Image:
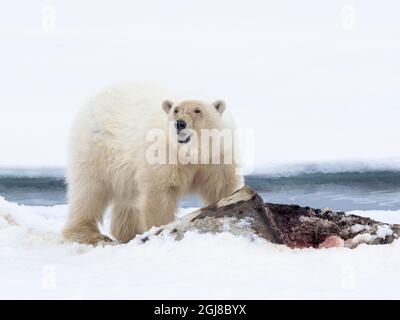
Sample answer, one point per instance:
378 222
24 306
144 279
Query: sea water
369 190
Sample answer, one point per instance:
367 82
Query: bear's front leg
126 222
158 207
219 182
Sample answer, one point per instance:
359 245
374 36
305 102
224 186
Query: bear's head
192 115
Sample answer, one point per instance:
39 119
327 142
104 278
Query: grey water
371 190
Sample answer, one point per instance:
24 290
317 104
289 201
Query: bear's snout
180 125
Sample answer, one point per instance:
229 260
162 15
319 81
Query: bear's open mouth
186 140
184 136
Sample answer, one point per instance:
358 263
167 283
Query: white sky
315 82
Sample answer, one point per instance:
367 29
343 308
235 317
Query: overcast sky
316 80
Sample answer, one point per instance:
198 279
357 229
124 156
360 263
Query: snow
383 232
37 263
359 227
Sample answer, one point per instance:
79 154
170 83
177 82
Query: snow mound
37 263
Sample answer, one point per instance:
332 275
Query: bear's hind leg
126 222
86 209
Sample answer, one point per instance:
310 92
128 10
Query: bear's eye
197 111
176 110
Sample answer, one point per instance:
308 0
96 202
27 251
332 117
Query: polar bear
109 165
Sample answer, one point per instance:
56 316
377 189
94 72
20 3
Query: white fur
107 166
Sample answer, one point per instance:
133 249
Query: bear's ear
167 105
220 106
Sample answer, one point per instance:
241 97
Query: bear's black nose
180 125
